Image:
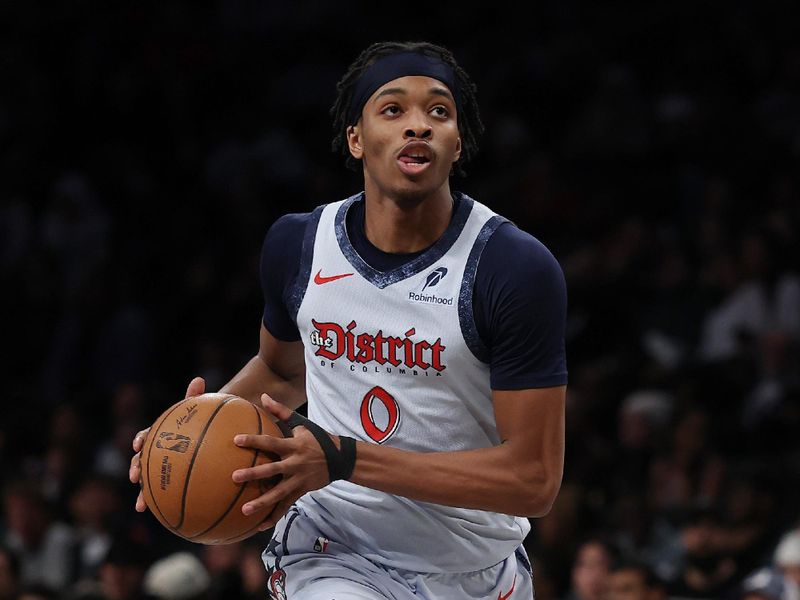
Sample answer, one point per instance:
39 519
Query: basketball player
426 334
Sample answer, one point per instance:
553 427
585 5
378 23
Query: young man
634 581
427 335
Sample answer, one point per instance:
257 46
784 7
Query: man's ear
458 150
354 142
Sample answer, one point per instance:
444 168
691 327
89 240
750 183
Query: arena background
145 148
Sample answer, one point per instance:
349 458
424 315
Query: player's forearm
488 479
256 378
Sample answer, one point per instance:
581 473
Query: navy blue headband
394 66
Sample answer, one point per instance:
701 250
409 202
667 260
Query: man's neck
403 226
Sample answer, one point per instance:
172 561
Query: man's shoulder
284 240
290 223
529 253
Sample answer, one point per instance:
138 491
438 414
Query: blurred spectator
128 407
94 507
45 547
179 576
644 535
634 581
88 589
75 227
253 573
708 569
765 302
745 514
37 592
689 473
787 560
590 571
9 574
223 563
122 572
643 418
764 584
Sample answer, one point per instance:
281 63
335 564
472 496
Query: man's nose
418 127
422 132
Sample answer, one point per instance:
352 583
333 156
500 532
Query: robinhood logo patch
434 277
425 295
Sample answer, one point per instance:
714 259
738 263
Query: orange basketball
187 461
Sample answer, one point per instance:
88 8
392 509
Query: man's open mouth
414 157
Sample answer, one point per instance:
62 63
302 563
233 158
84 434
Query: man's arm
521 476
278 369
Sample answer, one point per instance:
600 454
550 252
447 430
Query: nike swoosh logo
319 279
511 591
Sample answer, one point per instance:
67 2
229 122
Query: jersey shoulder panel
520 312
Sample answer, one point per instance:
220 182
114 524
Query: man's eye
440 111
391 110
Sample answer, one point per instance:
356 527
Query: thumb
196 387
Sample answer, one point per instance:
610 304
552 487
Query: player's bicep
530 423
285 359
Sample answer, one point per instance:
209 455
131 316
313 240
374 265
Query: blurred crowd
146 149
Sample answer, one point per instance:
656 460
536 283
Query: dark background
146 148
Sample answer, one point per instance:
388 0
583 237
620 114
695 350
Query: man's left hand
302 465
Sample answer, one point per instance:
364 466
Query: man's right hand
196 387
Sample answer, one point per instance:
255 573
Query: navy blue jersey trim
521 557
465 313
380 279
300 285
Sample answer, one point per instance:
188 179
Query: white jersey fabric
394 358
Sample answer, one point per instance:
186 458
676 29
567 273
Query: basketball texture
187 461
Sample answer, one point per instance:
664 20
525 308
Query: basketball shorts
303 565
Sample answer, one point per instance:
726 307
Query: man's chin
415 191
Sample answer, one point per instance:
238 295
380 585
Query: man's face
627 584
407 137
590 572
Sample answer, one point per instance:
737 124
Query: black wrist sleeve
341 461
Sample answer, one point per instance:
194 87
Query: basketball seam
155 429
241 487
194 456
244 534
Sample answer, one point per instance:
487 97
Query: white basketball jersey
394 358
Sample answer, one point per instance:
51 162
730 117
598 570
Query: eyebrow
437 91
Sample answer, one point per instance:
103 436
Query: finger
281 411
264 471
196 387
279 446
281 508
138 440
286 488
140 504
135 470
